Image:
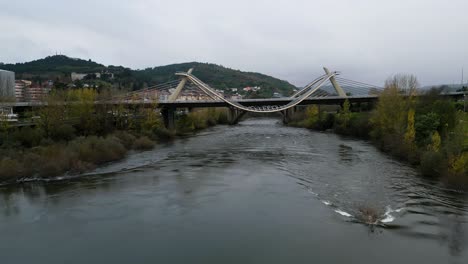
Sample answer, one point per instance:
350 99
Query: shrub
99 150
357 125
125 138
63 132
55 160
79 166
29 137
433 164
425 126
223 117
143 143
327 121
10 169
31 163
459 165
163 133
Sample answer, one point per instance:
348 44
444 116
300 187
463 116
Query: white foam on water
388 217
326 202
343 213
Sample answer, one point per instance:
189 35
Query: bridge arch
295 99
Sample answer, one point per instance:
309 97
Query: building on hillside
98 75
36 94
7 84
236 97
20 89
254 88
78 76
277 95
26 91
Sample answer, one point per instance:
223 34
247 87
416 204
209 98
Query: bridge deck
330 100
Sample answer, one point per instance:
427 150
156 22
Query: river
257 192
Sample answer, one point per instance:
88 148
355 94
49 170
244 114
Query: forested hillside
59 67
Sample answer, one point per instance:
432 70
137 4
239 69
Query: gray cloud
366 40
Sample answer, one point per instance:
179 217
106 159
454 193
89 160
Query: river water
258 192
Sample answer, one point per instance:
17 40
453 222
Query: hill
218 77
59 67
54 64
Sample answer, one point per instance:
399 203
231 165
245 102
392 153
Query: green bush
31 163
163 133
55 160
425 125
10 169
79 166
223 117
326 122
125 138
97 150
433 164
356 124
63 132
359 125
143 143
28 137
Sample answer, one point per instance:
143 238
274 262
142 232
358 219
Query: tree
311 116
410 130
404 83
345 113
435 142
425 126
391 113
81 107
52 114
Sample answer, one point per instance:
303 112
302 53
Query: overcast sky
367 40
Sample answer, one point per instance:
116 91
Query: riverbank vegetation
429 132
201 119
72 134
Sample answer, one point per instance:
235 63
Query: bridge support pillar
288 114
234 115
168 114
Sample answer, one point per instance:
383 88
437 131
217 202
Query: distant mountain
59 67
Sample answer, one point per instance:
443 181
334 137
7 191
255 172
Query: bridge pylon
179 87
335 84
